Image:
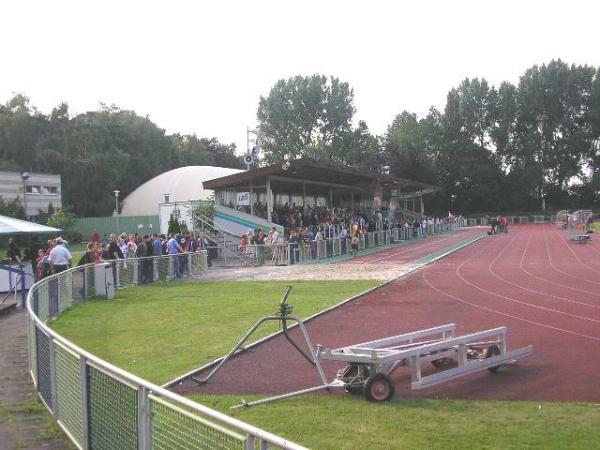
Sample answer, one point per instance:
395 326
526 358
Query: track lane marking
531 305
491 270
485 308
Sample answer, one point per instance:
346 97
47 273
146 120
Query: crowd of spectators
318 223
53 256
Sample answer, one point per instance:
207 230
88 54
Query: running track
544 288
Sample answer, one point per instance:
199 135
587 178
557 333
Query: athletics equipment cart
369 366
578 222
562 218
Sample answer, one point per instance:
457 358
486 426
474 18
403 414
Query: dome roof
182 184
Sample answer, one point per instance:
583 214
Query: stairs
225 244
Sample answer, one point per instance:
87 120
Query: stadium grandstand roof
320 171
182 184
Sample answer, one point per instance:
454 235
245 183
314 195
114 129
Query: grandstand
256 198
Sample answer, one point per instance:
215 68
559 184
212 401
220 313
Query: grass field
345 422
161 331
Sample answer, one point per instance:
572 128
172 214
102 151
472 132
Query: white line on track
514 300
584 265
521 266
371 261
491 270
562 271
485 308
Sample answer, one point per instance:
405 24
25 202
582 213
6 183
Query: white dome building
182 184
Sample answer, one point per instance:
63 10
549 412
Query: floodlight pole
117 208
25 177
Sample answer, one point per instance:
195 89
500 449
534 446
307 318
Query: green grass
349 422
161 331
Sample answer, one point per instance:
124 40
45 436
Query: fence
304 252
107 225
532 218
100 406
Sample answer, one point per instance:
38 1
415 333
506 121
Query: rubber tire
379 380
493 350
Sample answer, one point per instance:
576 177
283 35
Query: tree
406 149
13 208
174 225
303 114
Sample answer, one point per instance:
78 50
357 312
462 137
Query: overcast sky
201 67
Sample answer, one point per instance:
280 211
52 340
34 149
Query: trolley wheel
379 388
493 350
439 363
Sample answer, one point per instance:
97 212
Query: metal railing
287 253
100 406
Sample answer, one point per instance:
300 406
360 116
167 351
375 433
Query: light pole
25 177
117 209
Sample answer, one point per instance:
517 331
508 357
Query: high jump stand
282 316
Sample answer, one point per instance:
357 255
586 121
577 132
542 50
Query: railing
287 253
100 406
513 219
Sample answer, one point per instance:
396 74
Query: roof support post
330 197
422 204
303 194
269 199
251 199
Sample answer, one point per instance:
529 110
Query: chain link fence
100 406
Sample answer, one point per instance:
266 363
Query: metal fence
513 219
100 406
288 253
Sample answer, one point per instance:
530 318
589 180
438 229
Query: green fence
108 225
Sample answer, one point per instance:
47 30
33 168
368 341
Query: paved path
24 421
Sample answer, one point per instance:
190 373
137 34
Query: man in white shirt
274 236
60 257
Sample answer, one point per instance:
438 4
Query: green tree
13 208
174 225
406 148
301 114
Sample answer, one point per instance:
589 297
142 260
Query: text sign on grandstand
243 198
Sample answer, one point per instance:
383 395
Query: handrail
142 385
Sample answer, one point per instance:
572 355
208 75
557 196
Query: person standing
13 253
174 250
34 249
60 257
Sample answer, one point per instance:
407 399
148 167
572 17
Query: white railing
100 406
287 253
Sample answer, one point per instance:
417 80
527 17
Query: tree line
524 147
98 152
520 147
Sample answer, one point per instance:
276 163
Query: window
33 189
51 190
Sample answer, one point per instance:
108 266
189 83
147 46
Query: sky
201 67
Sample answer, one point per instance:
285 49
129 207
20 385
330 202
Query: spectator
13 253
174 250
114 251
60 257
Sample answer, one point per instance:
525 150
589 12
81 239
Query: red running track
533 280
410 252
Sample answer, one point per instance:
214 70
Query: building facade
36 191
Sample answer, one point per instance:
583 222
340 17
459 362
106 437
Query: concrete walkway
24 422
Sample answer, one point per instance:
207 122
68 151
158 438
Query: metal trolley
370 365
